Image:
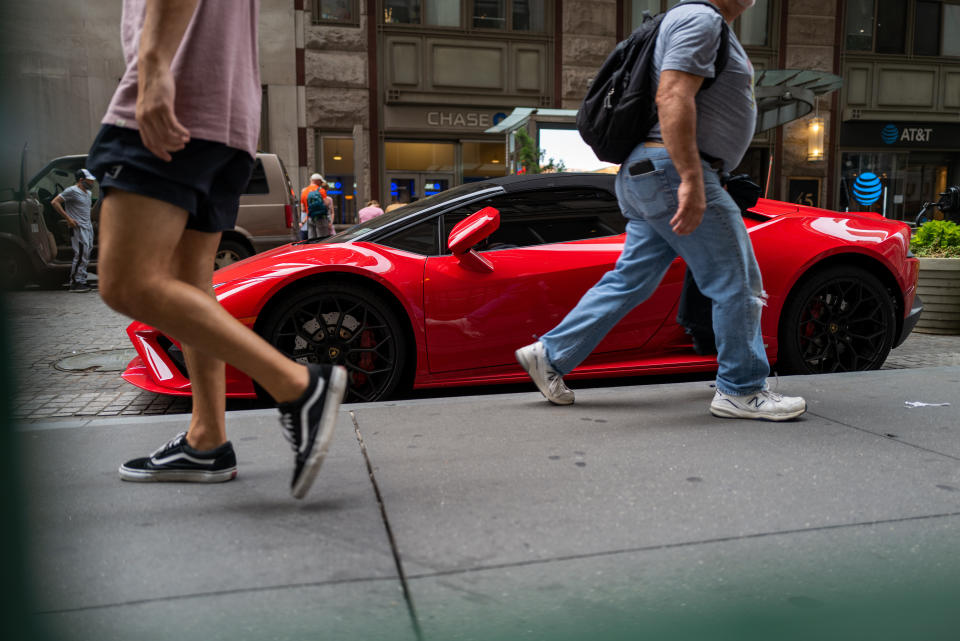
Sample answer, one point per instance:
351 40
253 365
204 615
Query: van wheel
229 252
14 268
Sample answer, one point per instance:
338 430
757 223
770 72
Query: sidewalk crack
407 596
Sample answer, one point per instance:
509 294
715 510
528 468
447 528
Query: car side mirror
470 231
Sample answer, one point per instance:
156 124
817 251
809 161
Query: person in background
73 203
372 210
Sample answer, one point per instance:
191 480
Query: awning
783 95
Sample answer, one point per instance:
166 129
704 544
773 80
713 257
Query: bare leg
139 237
193 264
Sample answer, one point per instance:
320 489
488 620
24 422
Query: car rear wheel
230 251
842 319
342 324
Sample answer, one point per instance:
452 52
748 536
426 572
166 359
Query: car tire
840 319
230 251
341 324
15 271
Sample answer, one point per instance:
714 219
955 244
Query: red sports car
406 300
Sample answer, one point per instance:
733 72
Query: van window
258 180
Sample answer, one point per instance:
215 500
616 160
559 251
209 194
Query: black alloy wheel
841 319
342 325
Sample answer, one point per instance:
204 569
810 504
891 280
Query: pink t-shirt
367 213
216 70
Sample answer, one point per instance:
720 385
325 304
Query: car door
551 247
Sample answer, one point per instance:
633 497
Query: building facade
391 99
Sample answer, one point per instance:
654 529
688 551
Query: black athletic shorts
206 178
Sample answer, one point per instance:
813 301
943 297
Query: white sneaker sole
336 387
732 412
174 476
529 364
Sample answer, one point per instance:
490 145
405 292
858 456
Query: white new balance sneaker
764 405
533 358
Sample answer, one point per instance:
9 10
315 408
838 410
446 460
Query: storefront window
859 25
637 7
894 184
926 37
442 13
401 11
489 14
752 28
419 156
891 19
336 165
482 160
335 11
753 25
871 182
528 15
951 30
882 26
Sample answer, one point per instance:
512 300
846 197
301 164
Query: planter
939 287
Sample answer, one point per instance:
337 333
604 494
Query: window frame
316 19
773 9
466 20
909 34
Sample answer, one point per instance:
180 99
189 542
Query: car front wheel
342 324
841 319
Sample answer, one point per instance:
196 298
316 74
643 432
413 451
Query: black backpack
620 107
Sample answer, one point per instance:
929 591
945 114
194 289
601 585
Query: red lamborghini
412 299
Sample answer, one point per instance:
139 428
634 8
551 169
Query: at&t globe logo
867 188
890 134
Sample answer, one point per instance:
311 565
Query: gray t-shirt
727 111
77 203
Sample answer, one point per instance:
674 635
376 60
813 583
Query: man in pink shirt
174 154
372 210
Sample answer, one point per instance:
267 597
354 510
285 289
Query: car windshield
403 212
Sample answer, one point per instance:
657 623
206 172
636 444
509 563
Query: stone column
589 35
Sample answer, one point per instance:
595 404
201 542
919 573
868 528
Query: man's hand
160 130
164 24
692 204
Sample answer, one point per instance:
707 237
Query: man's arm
163 28
677 108
57 204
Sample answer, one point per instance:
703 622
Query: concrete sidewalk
631 513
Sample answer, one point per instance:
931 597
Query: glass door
408 187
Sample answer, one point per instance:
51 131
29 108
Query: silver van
35 240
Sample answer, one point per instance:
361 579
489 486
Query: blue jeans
81 239
718 253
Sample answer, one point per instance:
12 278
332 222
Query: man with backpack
669 190
316 185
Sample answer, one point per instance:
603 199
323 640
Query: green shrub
937 239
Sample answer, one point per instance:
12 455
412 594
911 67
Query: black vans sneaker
309 421
177 461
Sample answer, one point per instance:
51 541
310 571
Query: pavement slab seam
683 544
217 593
885 436
394 548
